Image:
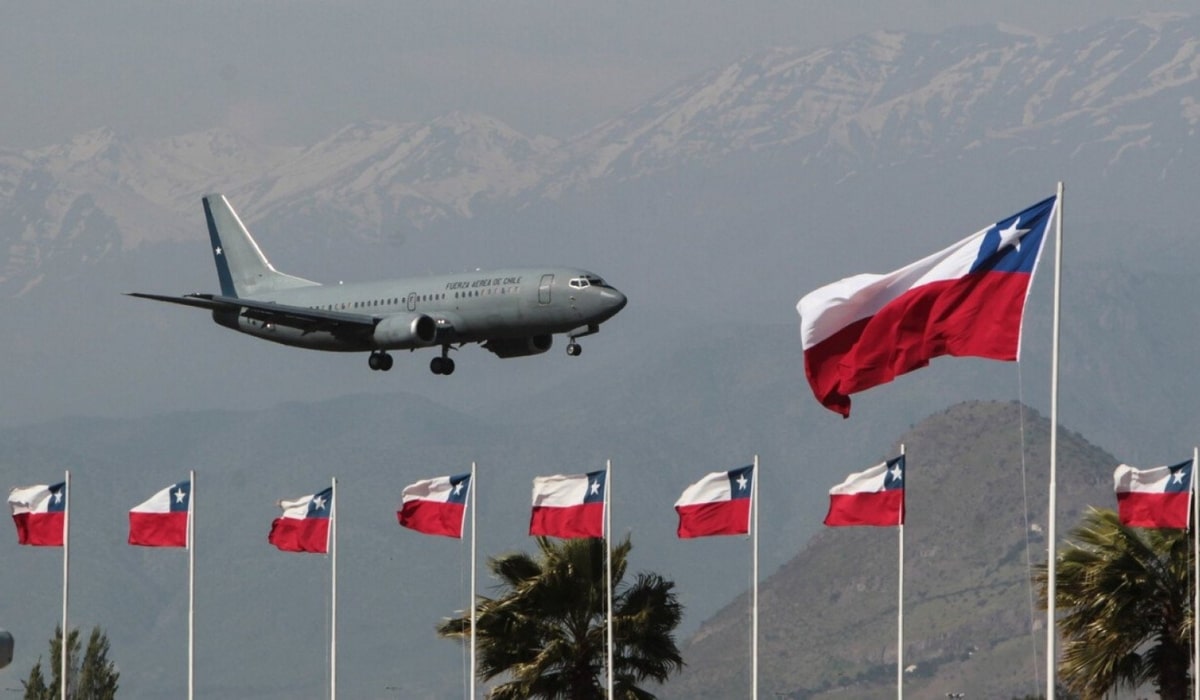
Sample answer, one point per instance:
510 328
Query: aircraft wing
301 317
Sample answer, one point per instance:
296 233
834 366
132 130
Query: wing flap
300 317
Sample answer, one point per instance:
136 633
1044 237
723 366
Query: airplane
511 312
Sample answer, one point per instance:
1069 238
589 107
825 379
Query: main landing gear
443 364
379 360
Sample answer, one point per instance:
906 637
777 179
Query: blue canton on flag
180 493
895 474
741 482
460 486
595 490
321 504
1013 244
1180 480
58 498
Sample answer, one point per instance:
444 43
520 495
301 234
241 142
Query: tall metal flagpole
1051 530
333 590
191 544
754 572
1195 581
608 569
471 683
64 650
900 600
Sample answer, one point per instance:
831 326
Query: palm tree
546 631
1126 615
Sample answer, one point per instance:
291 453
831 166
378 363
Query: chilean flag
718 504
40 513
966 301
568 505
871 497
304 525
436 506
162 521
1158 497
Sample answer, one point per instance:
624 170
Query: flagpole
66 635
754 573
900 599
1195 582
471 682
1051 530
333 591
191 543
608 568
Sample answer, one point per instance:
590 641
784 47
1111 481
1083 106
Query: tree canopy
545 632
1126 617
89 677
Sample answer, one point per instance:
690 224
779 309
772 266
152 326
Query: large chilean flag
966 301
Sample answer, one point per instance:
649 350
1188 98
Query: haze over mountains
713 207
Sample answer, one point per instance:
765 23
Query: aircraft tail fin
242 268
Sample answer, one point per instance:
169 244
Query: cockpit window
596 281
580 282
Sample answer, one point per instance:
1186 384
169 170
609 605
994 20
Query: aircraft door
412 302
544 289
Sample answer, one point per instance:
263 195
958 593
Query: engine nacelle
404 331
6 648
520 347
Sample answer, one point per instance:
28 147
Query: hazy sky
292 70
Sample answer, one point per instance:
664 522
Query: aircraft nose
614 301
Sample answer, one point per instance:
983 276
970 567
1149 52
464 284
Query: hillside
828 616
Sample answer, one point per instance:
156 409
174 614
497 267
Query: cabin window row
419 298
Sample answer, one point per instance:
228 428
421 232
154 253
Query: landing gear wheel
573 349
379 361
441 365
447 366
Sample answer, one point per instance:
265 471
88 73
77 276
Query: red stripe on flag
978 315
730 517
584 520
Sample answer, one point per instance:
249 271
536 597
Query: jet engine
6 648
405 331
520 347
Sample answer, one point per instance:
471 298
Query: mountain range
713 207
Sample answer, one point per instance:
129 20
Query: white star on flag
741 482
217 250
457 488
319 503
897 472
595 487
1011 236
180 494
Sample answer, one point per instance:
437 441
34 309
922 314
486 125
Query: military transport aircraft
511 312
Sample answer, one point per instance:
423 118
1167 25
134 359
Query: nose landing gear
574 348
